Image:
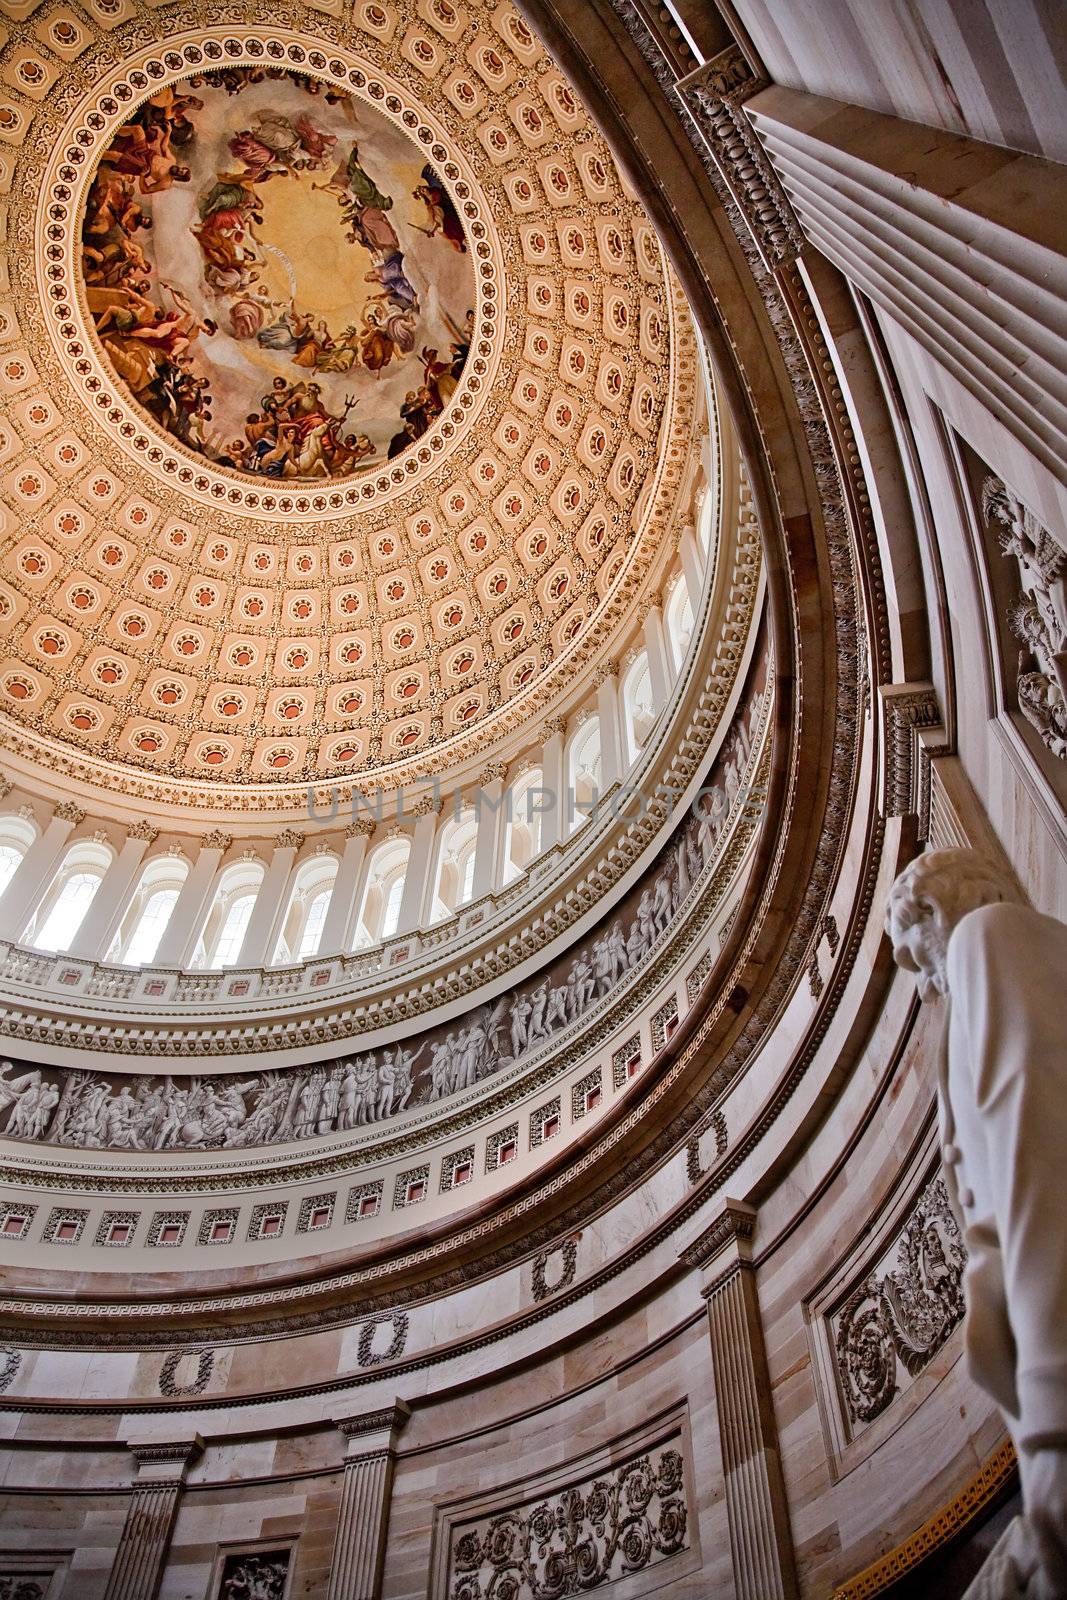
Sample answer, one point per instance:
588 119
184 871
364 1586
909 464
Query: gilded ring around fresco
220 221
277 274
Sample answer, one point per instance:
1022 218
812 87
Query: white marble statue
1002 967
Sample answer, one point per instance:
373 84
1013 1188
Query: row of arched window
62 909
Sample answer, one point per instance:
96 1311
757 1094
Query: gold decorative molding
944 1525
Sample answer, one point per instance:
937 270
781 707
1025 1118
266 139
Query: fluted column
756 1507
421 859
264 925
660 671
35 871
145 1538
554 784
179 936
341 911
94 936
491 812
614 757
363 1515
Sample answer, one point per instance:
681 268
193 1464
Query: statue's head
929 898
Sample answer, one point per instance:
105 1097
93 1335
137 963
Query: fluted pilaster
146 1533
760 1541
363 1516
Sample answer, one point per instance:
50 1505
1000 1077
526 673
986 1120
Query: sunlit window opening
146 917
523 831
456 851
227 922
583 773
383 893
69 896
305 916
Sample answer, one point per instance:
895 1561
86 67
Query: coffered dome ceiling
350 410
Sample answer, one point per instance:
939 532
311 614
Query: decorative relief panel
24 1585
897 1318
1025 570
254 1575
664 1023
626 1061
625 1519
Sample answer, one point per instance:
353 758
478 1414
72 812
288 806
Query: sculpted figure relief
1038 616
1003 1114
84 1109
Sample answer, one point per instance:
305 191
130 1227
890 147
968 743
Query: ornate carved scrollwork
590 1533
898 1318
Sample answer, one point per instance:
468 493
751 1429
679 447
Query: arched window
678 622
383 892
145 918
583 773
454 879
306 915
16 836
234 927
69 896
522 837
638 707
705 510
227 922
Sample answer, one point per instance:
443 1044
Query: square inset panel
316 1211
117 1229
167 1229
64 1227
363 1201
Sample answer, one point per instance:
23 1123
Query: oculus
276 274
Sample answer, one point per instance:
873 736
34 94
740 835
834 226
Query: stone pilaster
760 1541
363 1516
145 1539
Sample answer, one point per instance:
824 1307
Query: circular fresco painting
276 274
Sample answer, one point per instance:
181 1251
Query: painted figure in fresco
441 214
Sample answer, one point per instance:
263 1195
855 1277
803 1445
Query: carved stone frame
845 1450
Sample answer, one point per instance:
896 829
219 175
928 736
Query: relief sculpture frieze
92 1110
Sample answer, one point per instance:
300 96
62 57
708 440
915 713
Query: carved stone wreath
541 1288
367 1355
10 1362
205 1364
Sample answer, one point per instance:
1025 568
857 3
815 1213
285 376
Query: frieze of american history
95 1110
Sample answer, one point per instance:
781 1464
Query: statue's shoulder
1009 936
